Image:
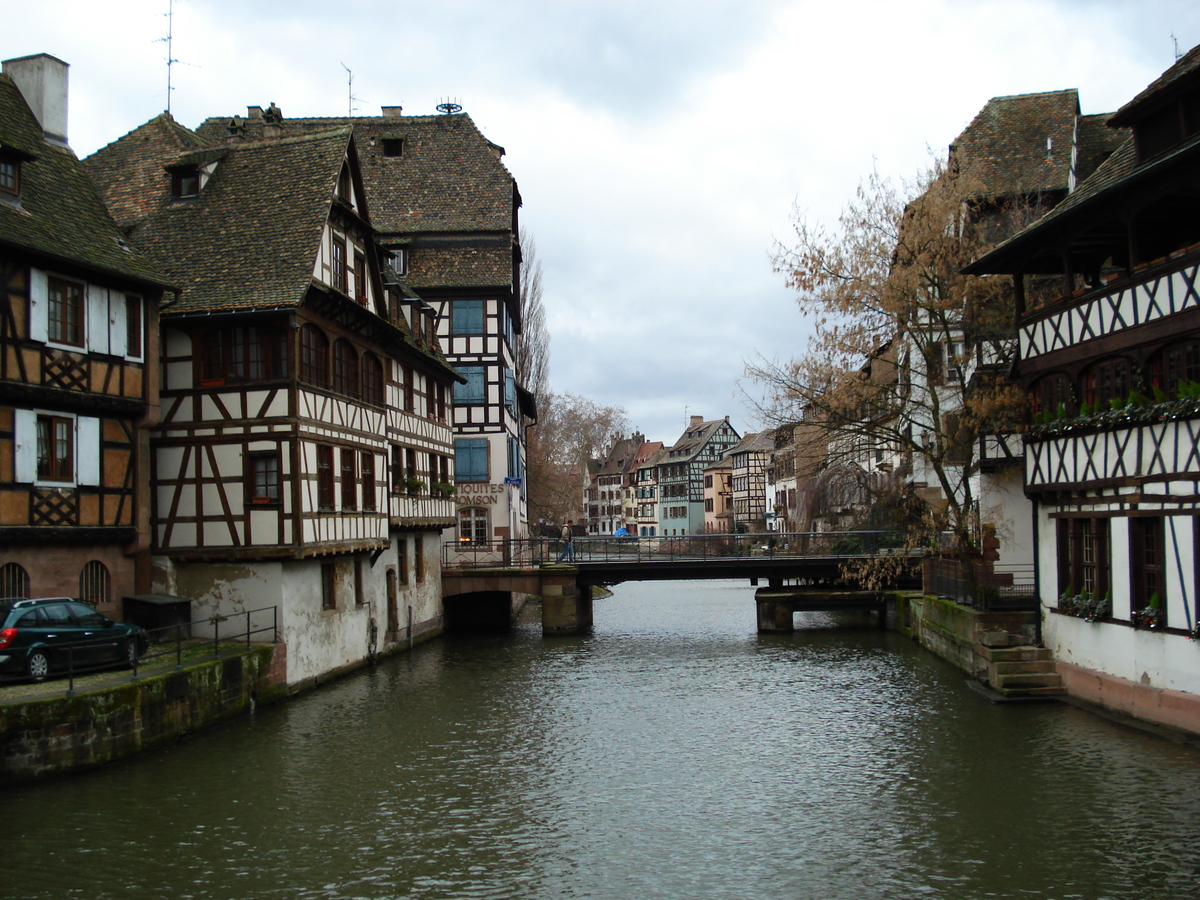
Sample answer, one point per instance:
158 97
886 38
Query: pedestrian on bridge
568 539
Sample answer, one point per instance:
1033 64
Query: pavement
17 689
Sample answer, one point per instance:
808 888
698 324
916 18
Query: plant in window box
1097 608
443 489
1151 616
414 485
1070 603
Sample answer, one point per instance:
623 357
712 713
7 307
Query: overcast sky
660 147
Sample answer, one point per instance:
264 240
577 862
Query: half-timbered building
78 383
304 460
718 498
445 207
1106 286
645 480
681 474
749 460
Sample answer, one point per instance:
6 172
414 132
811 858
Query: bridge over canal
480 582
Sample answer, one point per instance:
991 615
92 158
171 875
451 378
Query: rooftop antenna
350 98
1176 41
171 60
449 107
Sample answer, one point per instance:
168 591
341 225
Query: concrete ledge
1175 710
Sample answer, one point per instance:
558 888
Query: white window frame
104 324
86 451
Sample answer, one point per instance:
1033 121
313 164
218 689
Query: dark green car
56 633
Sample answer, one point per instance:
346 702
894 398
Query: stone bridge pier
475 599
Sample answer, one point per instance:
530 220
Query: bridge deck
811 558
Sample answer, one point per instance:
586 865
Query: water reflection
674 752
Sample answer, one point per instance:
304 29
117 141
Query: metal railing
174 641
1005 587
527 553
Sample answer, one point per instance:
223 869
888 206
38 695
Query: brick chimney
696 420
392 112
42 80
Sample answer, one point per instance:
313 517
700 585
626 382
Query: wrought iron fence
534 552
1000 587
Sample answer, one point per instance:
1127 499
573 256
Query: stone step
1013 654
1022 666
1031 692
1028 680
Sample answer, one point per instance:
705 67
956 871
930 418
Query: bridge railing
534 552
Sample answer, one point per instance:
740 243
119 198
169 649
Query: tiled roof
762 442
459 267
129 172
449 177
60 214
248 241
693 439
1006 145
1185 67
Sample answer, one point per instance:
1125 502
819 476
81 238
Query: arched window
1107 380
473 526
94 583
372 379
1175 364
14 580
345 368
314 355
1051 392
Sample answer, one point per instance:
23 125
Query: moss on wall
56 735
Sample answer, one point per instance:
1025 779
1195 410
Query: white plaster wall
1004 504
1149 658
320 641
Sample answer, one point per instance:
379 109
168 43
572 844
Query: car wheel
37 665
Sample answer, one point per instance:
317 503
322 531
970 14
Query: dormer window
185 182
10 175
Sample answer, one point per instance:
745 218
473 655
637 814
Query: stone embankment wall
60 734
956 633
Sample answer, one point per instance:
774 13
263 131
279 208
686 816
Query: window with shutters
65 310
55 448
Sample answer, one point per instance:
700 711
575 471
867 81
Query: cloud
659 146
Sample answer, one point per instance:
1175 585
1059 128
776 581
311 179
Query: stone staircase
1018 671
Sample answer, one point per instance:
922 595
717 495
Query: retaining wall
56 735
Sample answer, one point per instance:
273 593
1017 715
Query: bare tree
571 430
891 371
532 350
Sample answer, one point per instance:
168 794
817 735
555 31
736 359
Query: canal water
672 753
